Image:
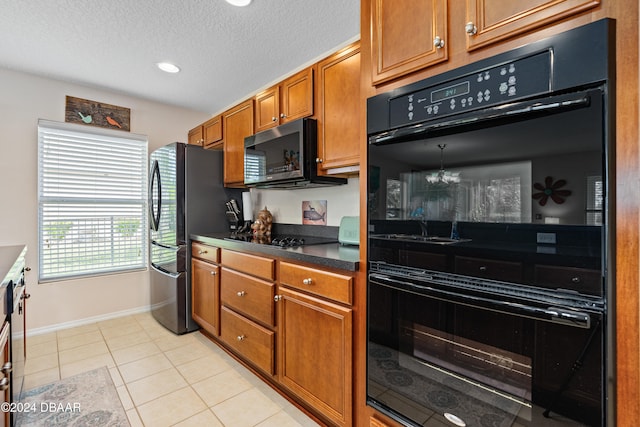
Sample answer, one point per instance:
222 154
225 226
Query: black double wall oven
489 239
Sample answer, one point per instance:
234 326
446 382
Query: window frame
92 200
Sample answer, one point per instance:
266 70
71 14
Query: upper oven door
515 192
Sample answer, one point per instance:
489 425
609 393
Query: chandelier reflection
443 176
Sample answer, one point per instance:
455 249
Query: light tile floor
162 379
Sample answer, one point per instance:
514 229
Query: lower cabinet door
205 295
315 353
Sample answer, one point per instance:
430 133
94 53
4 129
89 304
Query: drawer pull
307 281
240 338
4 384
575 280
202 251
483 268
7 368
241 293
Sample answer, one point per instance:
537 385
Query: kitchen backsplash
286 205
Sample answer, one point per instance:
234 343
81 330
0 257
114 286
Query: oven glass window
434 359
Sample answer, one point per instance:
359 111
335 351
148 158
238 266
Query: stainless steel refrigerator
186 195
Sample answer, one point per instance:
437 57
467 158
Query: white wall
23 100
286 205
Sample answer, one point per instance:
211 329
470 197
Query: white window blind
92 198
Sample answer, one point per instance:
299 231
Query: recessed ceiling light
168 67
239 2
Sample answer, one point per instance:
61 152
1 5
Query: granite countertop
333 255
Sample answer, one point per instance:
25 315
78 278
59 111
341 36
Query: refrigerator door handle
175 248
165 271
155 180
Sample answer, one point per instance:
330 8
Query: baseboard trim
86 321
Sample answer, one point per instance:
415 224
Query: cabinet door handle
240 337
318 160
438 42
471 29
277 298
4 384
307 281
273 119
241 294
202 252
213 273
283 116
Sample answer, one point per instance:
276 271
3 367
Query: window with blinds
92 200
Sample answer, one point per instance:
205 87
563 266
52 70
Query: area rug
438 393
87 399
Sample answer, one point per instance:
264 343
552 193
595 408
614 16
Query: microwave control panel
484 88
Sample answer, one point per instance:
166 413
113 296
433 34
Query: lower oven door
436 356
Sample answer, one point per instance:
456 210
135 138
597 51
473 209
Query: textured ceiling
225 53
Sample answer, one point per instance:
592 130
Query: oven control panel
495 85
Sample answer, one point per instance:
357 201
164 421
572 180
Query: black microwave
285 157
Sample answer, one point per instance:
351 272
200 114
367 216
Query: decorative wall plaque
96 113
314 212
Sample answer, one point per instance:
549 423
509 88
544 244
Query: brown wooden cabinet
339 109
315 353
290 335
205 287
290 100
237 123
247 319
207 134
407 35
212 132
196 136
490 21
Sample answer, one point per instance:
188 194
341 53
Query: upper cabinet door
297 96
339 108
290 100
267 108
195 136
212 130
489 21
237 125
408 35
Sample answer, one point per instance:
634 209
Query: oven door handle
514 109
559 315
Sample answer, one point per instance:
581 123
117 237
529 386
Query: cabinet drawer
578 279
489 269
248 295
251 264
205 252
323 283
250 340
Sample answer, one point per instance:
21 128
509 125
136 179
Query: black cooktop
283 241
